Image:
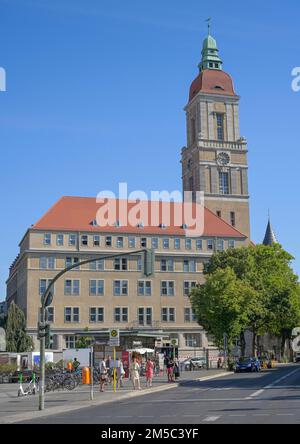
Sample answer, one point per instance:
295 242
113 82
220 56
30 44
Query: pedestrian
120 372
170 366
176 371
103 374
75 364
149 372
109 367
135 374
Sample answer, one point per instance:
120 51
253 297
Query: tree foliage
17 340
260 284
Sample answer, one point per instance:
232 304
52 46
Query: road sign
114 337
174 342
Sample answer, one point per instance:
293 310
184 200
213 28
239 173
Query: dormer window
94 223
219 87
162 226
140 225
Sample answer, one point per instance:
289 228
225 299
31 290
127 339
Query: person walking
75 364
109 367
120 372
103 374
176 372
135 374
149 372
170 366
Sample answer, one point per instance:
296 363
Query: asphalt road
268 397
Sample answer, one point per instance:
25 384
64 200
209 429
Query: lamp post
47 298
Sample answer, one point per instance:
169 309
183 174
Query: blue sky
95 96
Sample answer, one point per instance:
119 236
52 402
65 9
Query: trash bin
86 376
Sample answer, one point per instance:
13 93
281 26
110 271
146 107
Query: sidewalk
14 409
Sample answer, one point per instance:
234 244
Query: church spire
210 53
270 237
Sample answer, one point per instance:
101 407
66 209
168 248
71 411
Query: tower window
224 183
232 218
193 130
211 65
220 126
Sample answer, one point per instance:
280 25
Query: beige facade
178 265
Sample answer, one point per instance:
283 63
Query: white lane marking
259 392
285 414
237 416
191 416
261 414
211 418
123 416
220 375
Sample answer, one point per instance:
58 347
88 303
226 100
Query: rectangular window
96 314
121 314
220 245
72 261
47 239
167 288
220 126
232 218
143 242
121 288
131 242
47 263
154 243
97 265
188 244
167 265
166 243
84 240
224 182
120 242
96 240
43 286
71 314
231 243
210 244
139 263
193 130
144 315
120 264
50 314
72 287
70 341
72 240
199 244
108 241
189 266
144 288
168 314
96 287
59 240
188 286
219 214
177 244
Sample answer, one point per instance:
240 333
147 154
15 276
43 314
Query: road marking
269 386
237 416
191 416
123 416
285 414
211 418
261 414
145 416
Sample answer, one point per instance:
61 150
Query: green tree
84 341
17 340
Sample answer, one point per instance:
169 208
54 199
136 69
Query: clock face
223 159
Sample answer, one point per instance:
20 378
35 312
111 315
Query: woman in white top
135 374
103 374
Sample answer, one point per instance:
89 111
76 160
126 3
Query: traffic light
149 262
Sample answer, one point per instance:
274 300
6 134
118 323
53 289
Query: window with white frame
210 244
188 286
224 182
144 315
154 243
59 240
84 240
108 241
70 261
120 242
96 314
131 242
167 264
120 288
96 287
47 263
96 240
231 243
167 288
192 340
177 244
139 263
120 264
50 314
144 288
166 243
143 242
189 315
121 314
72 240
43 284
97 265
72 314
70 341
199 244
189 266
220 244
188 243
168 314
72 287
47 239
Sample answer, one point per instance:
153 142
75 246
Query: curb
63 409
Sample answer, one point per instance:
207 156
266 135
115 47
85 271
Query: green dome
210 55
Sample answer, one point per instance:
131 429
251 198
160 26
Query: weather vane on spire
208 24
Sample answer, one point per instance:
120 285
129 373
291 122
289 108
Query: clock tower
215 158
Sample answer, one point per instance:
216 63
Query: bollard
86 376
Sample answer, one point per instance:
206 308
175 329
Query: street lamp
47 298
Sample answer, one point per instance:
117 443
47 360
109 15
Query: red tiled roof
212 81
78 213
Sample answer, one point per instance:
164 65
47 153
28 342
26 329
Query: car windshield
244 360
